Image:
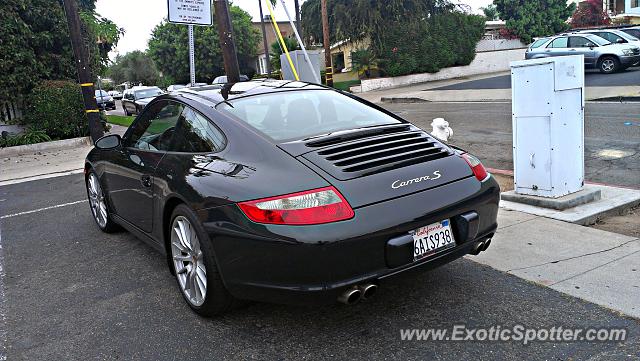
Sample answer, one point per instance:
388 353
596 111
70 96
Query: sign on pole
190 12
194 12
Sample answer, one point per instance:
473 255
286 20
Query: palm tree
362 60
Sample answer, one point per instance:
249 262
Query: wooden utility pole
325 43
227 42
84 71
296 6
264 40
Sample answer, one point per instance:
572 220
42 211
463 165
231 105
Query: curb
45 146
407 100
620 99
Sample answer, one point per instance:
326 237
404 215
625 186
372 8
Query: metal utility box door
548 125
305 72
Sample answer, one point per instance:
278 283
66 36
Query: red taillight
316 206
476 167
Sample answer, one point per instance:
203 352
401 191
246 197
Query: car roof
218 93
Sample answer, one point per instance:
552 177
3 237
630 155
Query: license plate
432 239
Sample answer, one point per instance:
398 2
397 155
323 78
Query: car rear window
148 93
293 115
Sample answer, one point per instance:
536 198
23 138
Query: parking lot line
41 176
42 209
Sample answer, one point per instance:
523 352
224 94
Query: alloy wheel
96 200
608 65
188 261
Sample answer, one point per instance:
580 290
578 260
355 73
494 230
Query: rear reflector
476 166
323 205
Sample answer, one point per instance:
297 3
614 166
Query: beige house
285 30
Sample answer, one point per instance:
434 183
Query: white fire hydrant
441 129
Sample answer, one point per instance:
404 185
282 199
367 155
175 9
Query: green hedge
447 39
56 108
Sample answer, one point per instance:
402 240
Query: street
612 149
72 292
592 78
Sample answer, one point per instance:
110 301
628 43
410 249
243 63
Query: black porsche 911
288 192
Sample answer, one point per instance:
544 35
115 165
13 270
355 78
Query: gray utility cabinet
304 71
548 125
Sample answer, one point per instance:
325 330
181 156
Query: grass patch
120 120
345 85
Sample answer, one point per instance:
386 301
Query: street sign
192 12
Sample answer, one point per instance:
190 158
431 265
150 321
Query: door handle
146 180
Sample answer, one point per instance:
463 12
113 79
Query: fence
495 44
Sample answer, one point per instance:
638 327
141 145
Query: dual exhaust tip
481 247
354 294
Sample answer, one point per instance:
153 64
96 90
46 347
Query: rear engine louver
373 154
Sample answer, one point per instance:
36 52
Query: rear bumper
315 264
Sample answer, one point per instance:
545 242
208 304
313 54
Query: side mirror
108 142
620 41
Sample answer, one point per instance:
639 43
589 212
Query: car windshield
627 36
101 93
301 114
538 43
148 93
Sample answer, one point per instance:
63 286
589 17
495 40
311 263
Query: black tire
110 226
217 299
608 64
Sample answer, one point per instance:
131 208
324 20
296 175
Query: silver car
614 36
598 52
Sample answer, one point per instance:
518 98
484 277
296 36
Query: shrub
28 137
428 45
57 109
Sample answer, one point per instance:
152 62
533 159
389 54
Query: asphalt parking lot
72 292
612 131
593 78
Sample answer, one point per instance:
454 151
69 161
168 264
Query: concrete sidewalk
594 265
38 164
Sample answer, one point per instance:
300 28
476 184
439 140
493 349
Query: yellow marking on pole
86 84
284 46
92 110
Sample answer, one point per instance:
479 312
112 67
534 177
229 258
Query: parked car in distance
104 100
115 94
136 98
196 85
223 79
633 31
288 192
598 53
174 87
614 36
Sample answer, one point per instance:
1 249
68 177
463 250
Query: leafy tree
276 51
35 45
490 12
169 48
134 67
407 36
528 19
590 13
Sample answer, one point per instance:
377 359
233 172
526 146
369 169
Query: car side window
580 42
558 43
196 134
155 128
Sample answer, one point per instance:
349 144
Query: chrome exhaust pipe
477 248
368 290
486 244
350 296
